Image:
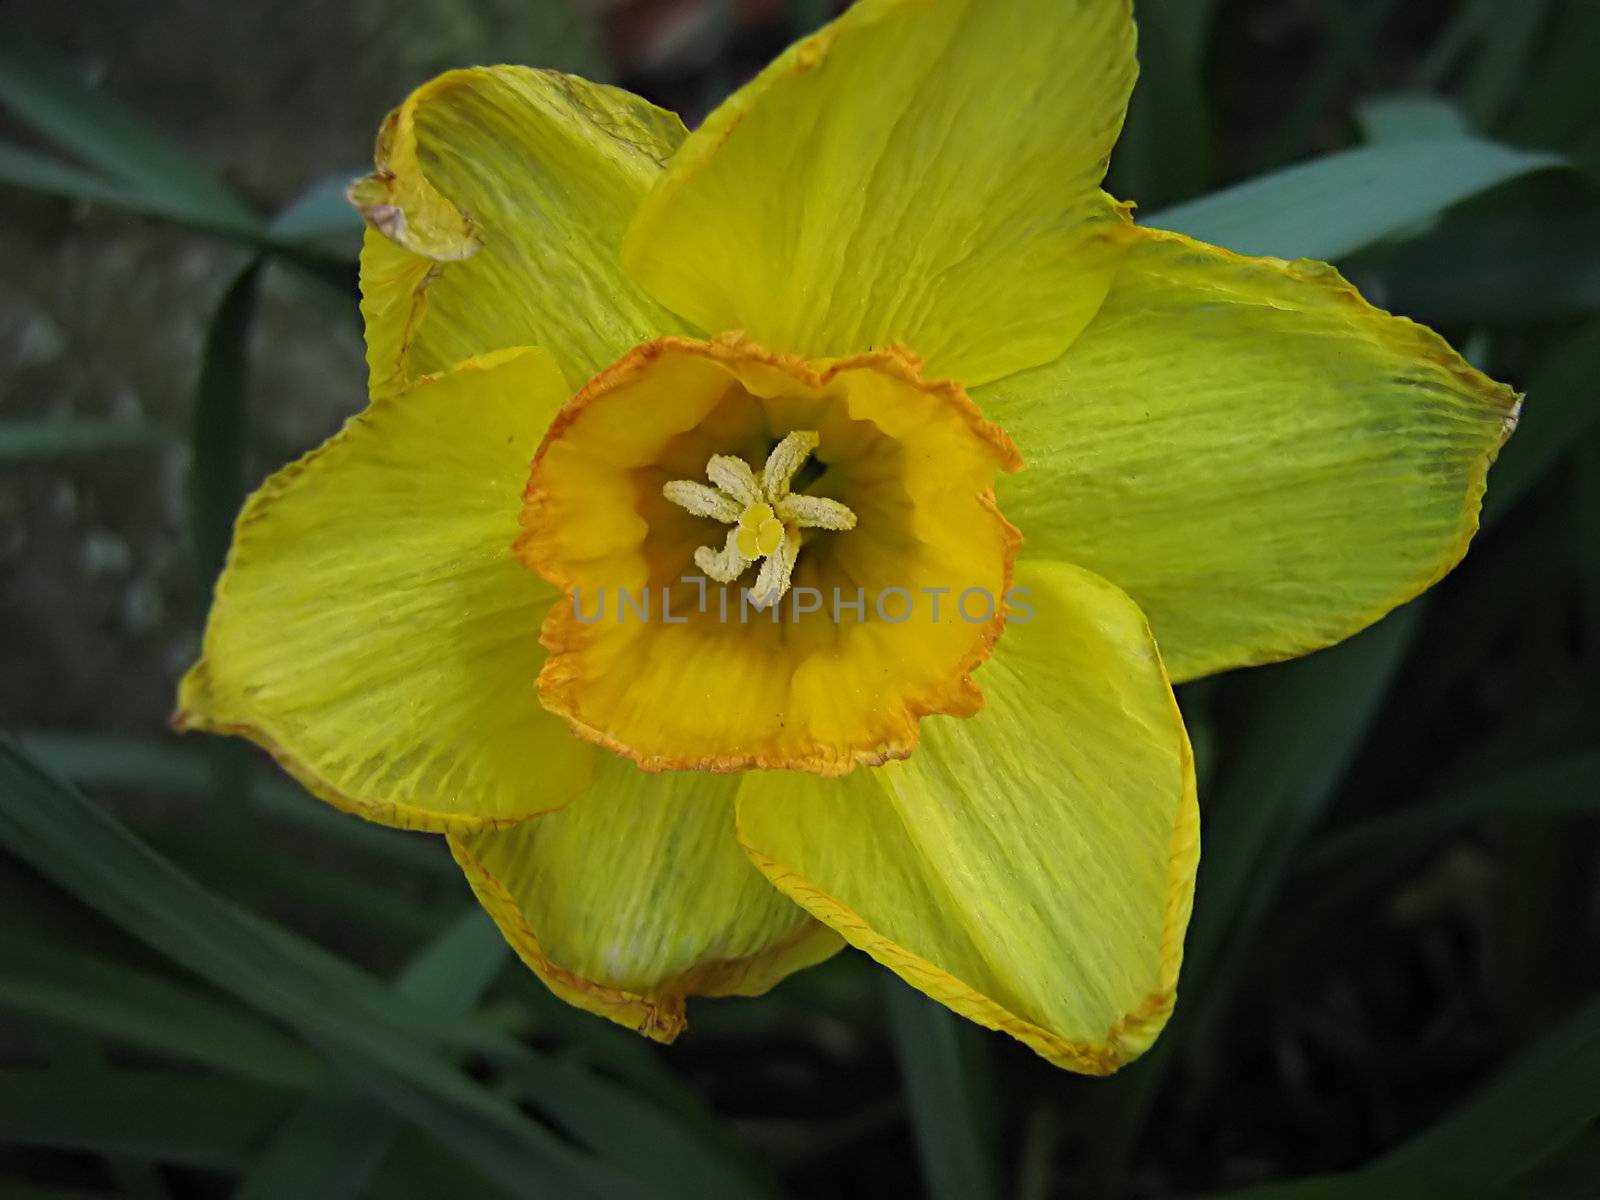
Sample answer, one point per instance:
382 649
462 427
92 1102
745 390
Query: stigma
767 518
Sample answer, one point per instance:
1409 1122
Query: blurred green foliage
1392 986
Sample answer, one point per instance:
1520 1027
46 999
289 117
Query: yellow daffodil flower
782 534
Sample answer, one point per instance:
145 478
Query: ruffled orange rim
564 636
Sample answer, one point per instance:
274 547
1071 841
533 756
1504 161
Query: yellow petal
636 896
921 173
496 216
373 629
1265 462
1033 866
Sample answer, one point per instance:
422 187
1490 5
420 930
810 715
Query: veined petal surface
496 219
636 896
1033 866
1261 459
373 628
923 172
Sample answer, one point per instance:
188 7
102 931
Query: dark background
1393 978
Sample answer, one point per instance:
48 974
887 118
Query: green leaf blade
44 92
1331 207
944 1093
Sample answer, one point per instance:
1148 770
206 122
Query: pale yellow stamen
733 476
723 565
767 517
786 458
816 512
703 501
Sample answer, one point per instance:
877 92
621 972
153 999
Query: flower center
654 649
767 518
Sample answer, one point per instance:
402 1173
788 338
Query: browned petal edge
660 1014
563 635
394 375
436 228
382 198
1128 1037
